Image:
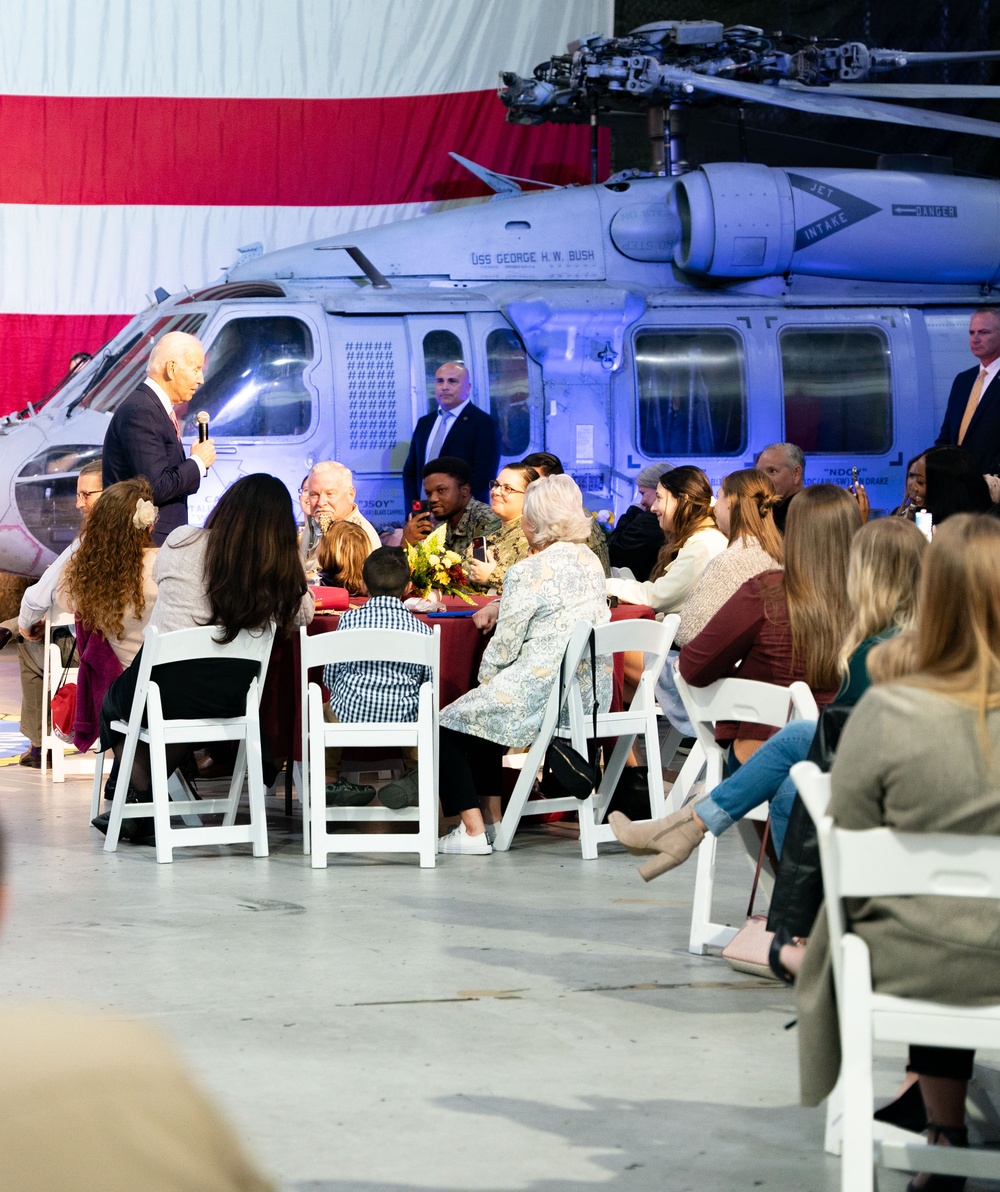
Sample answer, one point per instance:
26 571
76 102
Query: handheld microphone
202 419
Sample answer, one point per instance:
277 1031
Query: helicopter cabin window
691 392
121 371
507 365
838 389
439 348
255 379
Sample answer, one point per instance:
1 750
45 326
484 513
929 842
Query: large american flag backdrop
142 142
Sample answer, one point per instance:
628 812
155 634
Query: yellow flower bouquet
431 566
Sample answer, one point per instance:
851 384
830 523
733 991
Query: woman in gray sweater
921 754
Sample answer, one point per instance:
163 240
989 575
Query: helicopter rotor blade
912 58
898 90
811 100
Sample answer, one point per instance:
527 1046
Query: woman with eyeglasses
508 545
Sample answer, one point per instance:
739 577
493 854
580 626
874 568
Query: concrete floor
521 1021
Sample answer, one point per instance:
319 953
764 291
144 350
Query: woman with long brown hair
684 506
341 556
242 571
743 514
108 583
922 754
779 627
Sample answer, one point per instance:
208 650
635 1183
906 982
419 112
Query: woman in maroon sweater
777 628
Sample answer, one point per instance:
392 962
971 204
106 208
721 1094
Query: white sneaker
459 841
491 831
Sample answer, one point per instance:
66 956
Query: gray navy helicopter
690 315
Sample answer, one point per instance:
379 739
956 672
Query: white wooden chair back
160 649
733 700
518 807
367 645
884 863
653 639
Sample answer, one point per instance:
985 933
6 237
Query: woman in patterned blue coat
544 597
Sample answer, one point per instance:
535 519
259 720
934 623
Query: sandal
957 1136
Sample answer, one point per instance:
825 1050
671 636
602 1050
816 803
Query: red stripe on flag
272 152
37 348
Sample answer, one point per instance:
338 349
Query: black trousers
471 768
952 1062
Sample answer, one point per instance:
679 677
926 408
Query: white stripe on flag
283 49
56 261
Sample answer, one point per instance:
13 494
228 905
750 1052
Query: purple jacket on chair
99 667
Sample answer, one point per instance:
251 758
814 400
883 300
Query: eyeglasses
507 491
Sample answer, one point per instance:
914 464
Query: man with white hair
327 497
785 464
144 437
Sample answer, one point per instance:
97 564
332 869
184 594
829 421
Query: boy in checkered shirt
379 691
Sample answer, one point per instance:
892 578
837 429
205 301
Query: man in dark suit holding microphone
972 419
457 428
144 438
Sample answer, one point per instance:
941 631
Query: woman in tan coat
922 754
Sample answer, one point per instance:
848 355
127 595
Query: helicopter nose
39 480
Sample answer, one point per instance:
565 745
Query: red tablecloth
462 647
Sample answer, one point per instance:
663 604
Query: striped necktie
970 407
176 424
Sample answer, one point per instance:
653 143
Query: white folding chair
186 645
366 645
653 639
52 676
518 806
740 700
882 863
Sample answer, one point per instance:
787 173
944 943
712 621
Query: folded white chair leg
833 1136
427 801
691 771
179 792
857 1171
236 785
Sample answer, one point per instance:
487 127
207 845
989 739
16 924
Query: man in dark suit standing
144 438
972 419
457 429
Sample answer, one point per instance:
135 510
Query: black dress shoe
5 636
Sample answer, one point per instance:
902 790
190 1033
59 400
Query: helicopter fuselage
692 319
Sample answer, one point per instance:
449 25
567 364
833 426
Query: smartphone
854 477
479 548
419 507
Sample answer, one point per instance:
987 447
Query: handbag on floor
566 771
62 706
748 950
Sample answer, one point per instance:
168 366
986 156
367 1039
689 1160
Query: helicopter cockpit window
439 348
119 372
692 393
838 389
507 364
255 379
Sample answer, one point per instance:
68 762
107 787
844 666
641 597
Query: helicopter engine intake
740 220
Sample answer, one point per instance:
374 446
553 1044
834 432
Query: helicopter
689 315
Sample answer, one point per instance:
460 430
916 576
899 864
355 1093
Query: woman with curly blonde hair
108 583
341 556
